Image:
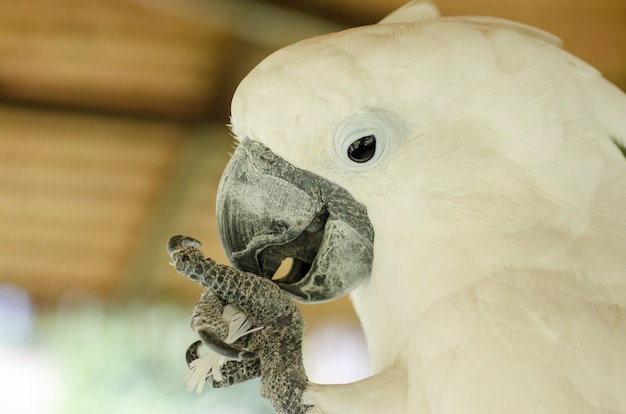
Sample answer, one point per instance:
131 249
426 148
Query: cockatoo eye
364 139
363 149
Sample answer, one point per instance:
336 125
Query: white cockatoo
464 180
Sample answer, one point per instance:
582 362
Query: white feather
499 209
210 363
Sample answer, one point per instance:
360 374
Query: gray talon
192 353
215 343
277 356
176 243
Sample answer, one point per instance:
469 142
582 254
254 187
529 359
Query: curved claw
216 344
213 342
176 243
192 352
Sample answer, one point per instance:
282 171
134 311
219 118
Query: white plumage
498 200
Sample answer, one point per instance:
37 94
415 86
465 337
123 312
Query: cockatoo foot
234 303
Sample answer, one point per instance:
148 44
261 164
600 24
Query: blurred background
113 137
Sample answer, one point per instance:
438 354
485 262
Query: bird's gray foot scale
275 351
235 372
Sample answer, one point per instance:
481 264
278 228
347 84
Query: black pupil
363 149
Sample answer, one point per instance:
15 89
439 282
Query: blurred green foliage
122 359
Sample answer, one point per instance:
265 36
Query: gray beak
268 210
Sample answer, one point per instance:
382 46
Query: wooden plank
111 55
76 193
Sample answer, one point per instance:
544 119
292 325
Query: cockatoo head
383 129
